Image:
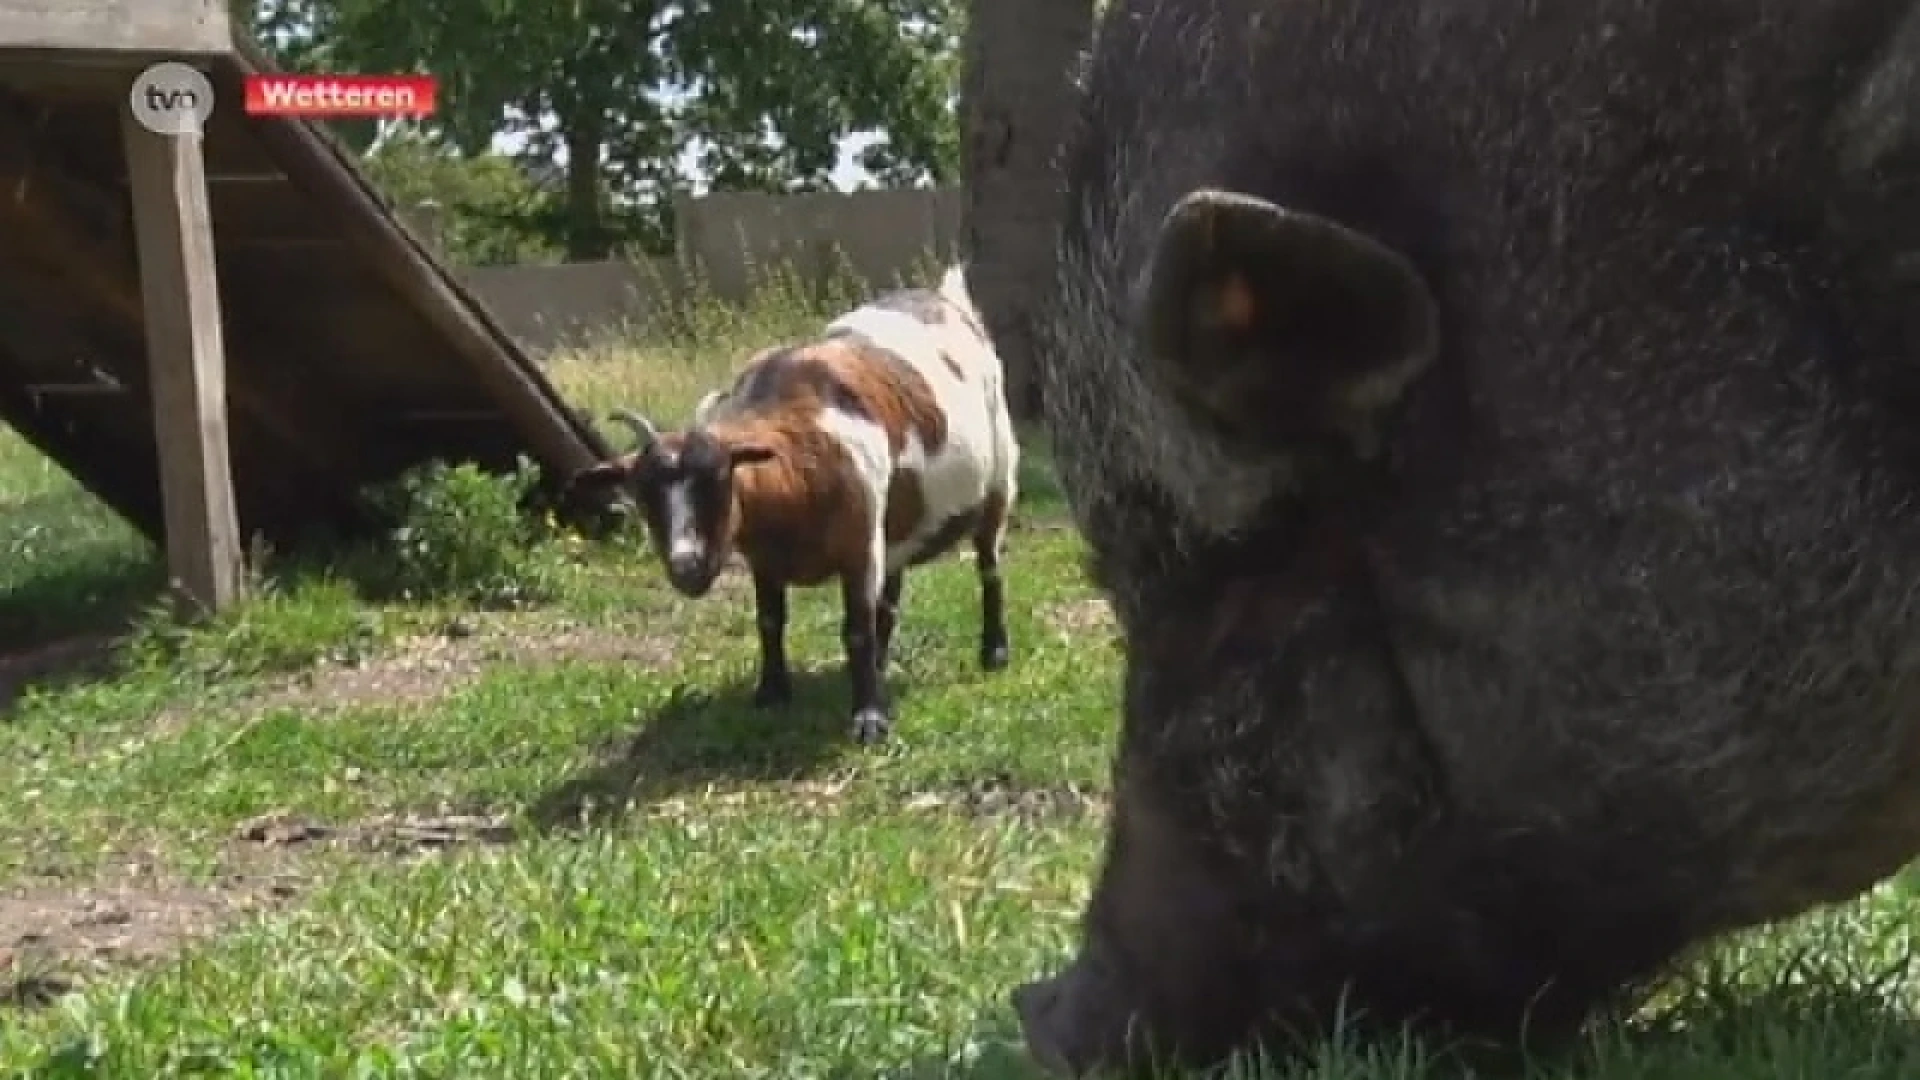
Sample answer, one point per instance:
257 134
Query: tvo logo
171 99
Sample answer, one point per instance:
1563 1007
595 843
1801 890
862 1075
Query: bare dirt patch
75 657
1001 798
387 833
598 644
423 668
1075 618
56 937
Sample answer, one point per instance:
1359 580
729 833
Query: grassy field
493 805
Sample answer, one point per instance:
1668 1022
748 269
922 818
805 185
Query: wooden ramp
352 352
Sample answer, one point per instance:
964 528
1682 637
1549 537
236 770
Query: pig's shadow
701 735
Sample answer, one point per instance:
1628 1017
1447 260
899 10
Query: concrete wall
576 304
727 242
882 237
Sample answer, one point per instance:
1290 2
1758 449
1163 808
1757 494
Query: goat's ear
752 454
1270 323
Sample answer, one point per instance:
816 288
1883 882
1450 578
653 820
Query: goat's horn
643 429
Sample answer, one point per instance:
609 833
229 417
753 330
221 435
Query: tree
490 211
614 91
1017 94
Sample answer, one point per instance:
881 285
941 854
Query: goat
873 448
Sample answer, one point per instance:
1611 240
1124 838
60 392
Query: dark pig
1497 427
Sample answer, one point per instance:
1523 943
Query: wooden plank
34 219
185 352
232 146
70 296
63 222
87 390
90 455
405 265
83 118
64 77
271 211
98 26
83 138
369 337
451 416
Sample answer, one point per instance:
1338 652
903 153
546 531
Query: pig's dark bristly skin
1504 470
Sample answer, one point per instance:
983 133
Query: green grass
67 565
685 886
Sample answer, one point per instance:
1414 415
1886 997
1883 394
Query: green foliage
784 303
490 212
282 626
770 105
464 535
611 94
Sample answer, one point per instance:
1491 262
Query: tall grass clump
700 339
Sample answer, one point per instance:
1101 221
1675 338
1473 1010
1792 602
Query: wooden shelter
227 334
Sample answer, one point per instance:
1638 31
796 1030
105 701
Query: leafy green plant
465 535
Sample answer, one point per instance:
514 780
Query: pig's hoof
771 693
870 726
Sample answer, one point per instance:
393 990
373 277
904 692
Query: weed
464 536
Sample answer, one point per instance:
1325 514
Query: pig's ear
1271 324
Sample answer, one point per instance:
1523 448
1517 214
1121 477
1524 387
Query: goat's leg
860 598
988 539
770 615
887 618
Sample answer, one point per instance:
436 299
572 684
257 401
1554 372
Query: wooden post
187 363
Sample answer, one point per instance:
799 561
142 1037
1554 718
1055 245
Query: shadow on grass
68 662
74 581
71 568
703 736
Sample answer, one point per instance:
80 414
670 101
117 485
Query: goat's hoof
994 657
870 726
767 695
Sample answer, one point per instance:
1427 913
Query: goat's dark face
684 485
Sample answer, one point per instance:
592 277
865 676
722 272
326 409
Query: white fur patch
867 447
683 531
981 453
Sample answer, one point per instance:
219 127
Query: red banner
341 95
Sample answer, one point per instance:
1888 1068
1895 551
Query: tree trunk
586 225
1017 96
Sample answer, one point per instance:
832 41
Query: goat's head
683 483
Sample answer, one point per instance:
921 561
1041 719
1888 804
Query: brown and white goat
855 456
